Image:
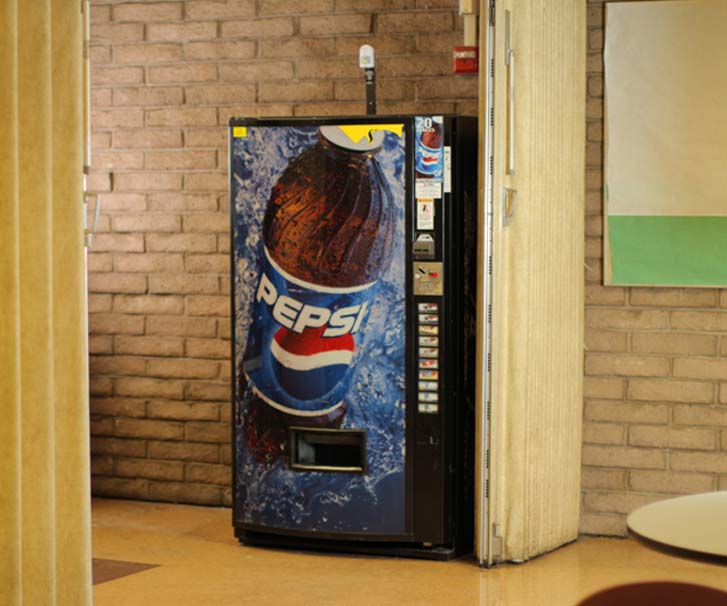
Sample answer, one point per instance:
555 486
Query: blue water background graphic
272 494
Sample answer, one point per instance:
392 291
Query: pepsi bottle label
429 137
302 342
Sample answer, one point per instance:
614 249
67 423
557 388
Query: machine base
407 550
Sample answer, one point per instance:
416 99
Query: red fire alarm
466 59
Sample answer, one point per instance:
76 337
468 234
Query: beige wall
166 78
655 420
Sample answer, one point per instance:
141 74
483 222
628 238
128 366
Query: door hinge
492 13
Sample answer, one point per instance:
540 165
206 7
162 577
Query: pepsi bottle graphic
328 235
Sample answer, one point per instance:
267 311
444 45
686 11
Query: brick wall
166 77
655 419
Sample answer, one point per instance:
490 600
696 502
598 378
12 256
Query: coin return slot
327 450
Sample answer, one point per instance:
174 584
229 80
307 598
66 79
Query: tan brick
101 386
207 264
148 181
100 14
603 433
117 242
145 97
390 44
722 483
207 391
186 72
116 283
120 487
149 304
604 295
114 160
626 365
147 138
673 297
626 412
594 179
669 482
238 49
100 140
205 181
282 7
671 437
184 451
336 25
114 75
116 365
594 109
99 303
225 328
182 116
116 324
149 262
617 502
102 466
623 456
147 468
143 387
706 416
116 446
145 54
669 390
606 340
149 346
146 223
184 284
596 387
101 344
209 474
606 479
148 11
256 71
624 318
225 373
723 393
203 305
699 320
169 201
201 9
123 201
181 243
208 348
180 160
182 368
118 407
603 524
202 494
708 462
674 343
309 90
724 440
117 32
389 23
432 65
171 326
207 137
101 426
220 95
700 368
197 30
117 118
183 411
296 47
327 109
594 132
258 28
226 454
146 428
208 432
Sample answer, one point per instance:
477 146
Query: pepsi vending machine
353 262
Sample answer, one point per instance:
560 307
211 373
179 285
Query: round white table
695 524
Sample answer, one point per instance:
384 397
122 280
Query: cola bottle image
328 235
430 136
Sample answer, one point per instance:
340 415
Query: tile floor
198 562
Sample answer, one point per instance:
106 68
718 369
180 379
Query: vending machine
353 290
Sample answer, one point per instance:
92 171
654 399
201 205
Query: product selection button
428 375
429 363
428 319
426 329
428 308
429 341
428 352
428 396
428 385
429 408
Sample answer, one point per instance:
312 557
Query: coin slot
333 450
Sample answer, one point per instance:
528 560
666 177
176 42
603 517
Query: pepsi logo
309 365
